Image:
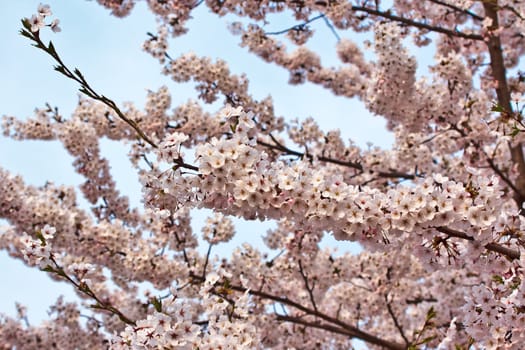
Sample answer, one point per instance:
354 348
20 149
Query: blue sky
108 51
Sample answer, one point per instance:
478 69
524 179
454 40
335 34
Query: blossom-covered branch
430 230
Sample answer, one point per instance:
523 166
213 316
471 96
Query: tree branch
518 196
77 76
297 26
348 329
84 288
412 23
332 29
347 163
493 247
208 253
396 322
503 92
458 9
309 288
505 178
318 325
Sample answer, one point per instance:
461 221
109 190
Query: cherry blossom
438 218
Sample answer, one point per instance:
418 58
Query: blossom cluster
37 21
438 219
38 251
218 229
174 325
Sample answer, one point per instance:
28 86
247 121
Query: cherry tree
439 216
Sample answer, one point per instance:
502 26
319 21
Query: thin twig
309 288
77 76
458 9
354 331
84 288
396 322
296 27
206 261
181 243
302 25
332 29
412 23
86 89
505 178
493 247
319 325
279 147
419 300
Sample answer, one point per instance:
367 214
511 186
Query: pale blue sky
108 51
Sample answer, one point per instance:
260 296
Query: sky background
108 52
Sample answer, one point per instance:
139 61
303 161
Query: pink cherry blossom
437 221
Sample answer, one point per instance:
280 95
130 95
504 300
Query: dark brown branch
419 300
458 9
87 90
518 196
208 253
77 76
356 332
347 163
309 288
302 25
505 178
454 233
493 247
412 23
496 56
318 325
396 322
512 254
180 242
513 10
499 74
296 27
84 288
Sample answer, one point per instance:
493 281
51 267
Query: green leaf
79 74
497 108
60 272
26 24
26 33
497 279
157 304
470 103
86 92
428 339
51 49
40 237
96 306
516 282
59 69
431 313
